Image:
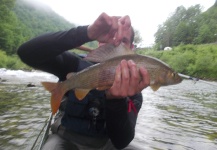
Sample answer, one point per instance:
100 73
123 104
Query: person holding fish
95 113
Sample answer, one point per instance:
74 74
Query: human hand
128 80
109 29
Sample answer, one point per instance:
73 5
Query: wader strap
55 126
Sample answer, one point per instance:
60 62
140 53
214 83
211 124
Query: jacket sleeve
48 52
121 121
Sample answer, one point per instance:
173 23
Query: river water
179 117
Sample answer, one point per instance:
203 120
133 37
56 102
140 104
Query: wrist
90 33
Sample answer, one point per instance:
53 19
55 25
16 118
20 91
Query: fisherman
103 120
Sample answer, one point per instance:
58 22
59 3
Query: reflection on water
23 112
182 117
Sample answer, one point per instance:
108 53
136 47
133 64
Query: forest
191 33
188 26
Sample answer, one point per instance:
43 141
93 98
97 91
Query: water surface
179 117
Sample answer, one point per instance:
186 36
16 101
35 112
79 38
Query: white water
20 76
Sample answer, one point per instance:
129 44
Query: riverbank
198 61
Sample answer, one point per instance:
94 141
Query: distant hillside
23 19
38 18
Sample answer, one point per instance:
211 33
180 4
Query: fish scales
101 76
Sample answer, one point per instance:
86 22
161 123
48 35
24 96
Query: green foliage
12 62
23 19
8 26
194 60
207 26
188 26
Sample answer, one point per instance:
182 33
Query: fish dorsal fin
69 75
81 93
108 51
155 87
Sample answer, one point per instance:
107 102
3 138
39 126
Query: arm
121 121
48 52
128 82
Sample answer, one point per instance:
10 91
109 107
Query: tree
7 26
179 28
207 26
137 37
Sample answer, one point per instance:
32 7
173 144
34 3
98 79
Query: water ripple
182 116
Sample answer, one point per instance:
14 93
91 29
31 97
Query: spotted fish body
101 76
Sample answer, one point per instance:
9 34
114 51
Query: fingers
145 78
118 89
121 74
113 30
139 79
124 29
117 83
100 28
125 78
120 28
135 78
129 80
125 21
109 29
113 92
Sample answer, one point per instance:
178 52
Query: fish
101 75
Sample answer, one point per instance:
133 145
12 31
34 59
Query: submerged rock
31 85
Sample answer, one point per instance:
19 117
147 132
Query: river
178 117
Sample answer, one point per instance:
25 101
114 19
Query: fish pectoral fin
81 93
103 88
155 87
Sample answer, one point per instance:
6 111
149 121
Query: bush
11 62
193 60
3 60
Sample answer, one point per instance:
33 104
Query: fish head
165 78
171 78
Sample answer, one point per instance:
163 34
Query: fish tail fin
57 92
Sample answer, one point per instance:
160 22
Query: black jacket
49 52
